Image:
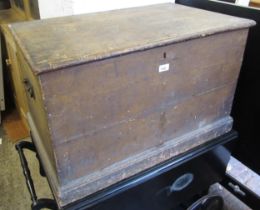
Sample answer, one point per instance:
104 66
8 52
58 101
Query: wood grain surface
59 42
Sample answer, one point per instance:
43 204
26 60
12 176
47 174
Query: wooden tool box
114 93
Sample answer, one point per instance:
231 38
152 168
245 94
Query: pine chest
114 93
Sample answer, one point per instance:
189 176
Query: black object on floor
231 202
208 202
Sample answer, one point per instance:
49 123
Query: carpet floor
13 191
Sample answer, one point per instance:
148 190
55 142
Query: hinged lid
59 42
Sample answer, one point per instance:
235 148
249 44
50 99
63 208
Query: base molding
97 181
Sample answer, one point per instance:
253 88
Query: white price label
164 67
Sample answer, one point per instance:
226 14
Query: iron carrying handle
29 88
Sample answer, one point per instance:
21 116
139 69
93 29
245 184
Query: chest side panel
37 113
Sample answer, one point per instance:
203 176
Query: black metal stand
37 204
215 152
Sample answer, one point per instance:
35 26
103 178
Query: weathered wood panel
126 105
14 71
9 16
36 106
